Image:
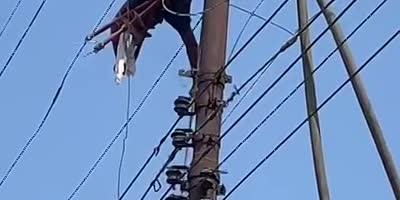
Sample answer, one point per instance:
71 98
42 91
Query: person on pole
131 25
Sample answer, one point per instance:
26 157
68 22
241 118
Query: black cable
156 150
306 119
265 67
10 18
243 47
209 118
128 105
262 72
262 18
251 15
152 155
271 86
262 122
286 70
22 38
54 100
222 69
169 160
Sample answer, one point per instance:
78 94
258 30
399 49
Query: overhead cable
269 88
193 100
267 117
22 38
251 15
128 106
294 131
53 102
3 29
234 57
171 155
137 109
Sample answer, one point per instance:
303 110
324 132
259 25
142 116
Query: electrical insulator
174 174
176 197
182 106
181 138
221 191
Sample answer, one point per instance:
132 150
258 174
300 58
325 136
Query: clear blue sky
91 108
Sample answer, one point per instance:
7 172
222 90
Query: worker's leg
182 25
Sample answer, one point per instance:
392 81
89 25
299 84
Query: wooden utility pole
362 97
311 101
213 44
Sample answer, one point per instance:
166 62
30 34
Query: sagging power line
3 29
306 119
22 39
54 100
268 89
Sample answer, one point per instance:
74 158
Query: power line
286 70
262 18
271 86
165 165
171 155
22 38
251 15
10 18
128 105
306 119
152 155
267 117
156 150
54 100
199 94
261 71
192 14
218 73
234 57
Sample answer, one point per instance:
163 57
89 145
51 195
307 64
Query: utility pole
213 44
362 97
311 101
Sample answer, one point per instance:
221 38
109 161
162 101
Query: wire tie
157 187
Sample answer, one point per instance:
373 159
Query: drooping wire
252 13
128 105
173 153
192 14
222 69
144 99
226 132
261 72
10 17
155 180
54 100
270 87
241 32
295 130
152 155
286 70
267 117
22 38
235 56
240 50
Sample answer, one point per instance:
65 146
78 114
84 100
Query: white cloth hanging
125 64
